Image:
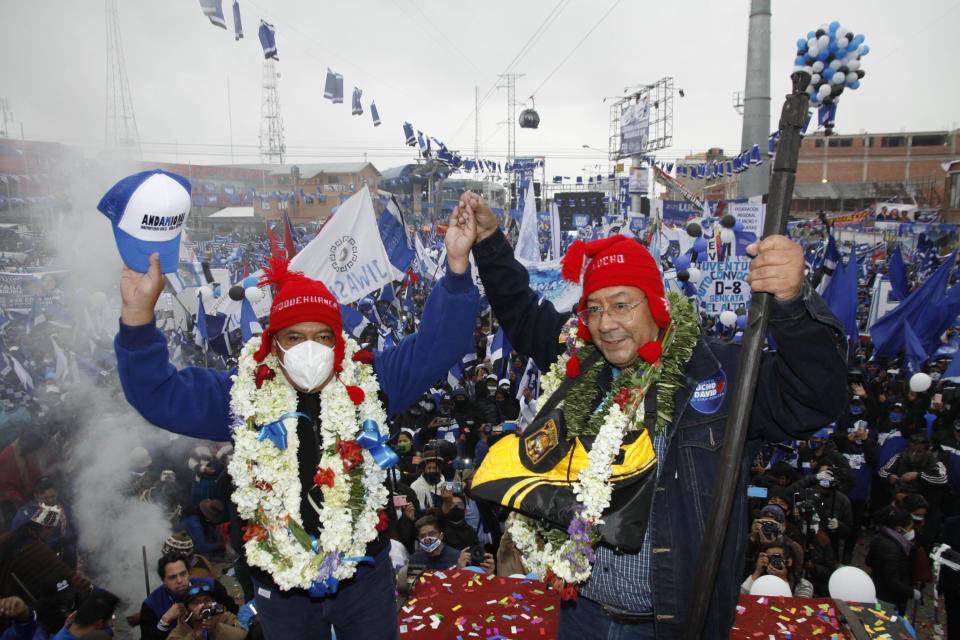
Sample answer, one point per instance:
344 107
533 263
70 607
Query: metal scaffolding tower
120 130
272 146
511 87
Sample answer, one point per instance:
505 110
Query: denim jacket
801 387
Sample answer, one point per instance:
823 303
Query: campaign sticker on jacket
709 394
855 460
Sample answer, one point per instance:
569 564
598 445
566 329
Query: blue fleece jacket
195 401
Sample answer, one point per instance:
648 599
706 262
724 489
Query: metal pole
756 102
792 119
146 573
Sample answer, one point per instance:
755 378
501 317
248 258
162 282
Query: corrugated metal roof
311 170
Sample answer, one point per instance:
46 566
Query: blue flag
831 258
841 296
249 323
268 41
213 9
500 350
386 294
898 276
353 321
397 244
915 355
927 310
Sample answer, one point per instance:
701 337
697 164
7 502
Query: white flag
528 245
556 245
348 255
63 366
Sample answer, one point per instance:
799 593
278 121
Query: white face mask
307 364
909 535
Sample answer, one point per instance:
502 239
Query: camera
807 503
477 555
769 529
776 561
214 609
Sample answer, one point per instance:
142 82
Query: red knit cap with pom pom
299 299
616 261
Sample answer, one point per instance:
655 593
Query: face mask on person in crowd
910 535
896 418
403 447
856 410
456 513
934 375
429 544
308 363
428 406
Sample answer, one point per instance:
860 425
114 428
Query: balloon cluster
247 288
831 55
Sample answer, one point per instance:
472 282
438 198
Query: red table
461 605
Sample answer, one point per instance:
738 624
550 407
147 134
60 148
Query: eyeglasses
618 312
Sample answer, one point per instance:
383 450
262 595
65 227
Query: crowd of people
876 488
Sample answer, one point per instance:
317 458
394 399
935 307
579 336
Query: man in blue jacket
297 475
625 314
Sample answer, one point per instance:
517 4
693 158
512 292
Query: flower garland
267 476
569 555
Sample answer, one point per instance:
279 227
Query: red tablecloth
459 605
776 618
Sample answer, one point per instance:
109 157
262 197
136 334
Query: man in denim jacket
801 387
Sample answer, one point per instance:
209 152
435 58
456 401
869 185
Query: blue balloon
682 262
823 54
827 72
742 322
851 47
250 281
855 85
800 60
700 245
802 44
866 50
834 26
858 40
811 34
814 98
738 226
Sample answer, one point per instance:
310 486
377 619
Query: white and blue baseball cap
148 211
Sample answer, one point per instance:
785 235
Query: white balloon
253 294
813 51
815 79
811 42
836 64
695 275
842 42
838 78
852 77
853 65
770 585
728 318
818 66
920 382
852 584
727 235
823 41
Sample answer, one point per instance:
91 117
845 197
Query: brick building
309 192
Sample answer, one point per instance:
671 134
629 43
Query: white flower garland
569 562
267 478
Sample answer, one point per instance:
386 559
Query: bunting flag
330 85
338 90
213 9
357 109
268 41
237 25
375 114
411 138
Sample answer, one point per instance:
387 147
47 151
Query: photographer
205 618
768 528
777 560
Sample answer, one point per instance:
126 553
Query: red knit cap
616 261
299 299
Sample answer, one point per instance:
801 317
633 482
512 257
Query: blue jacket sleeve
192 401
195 530
445 335
531 325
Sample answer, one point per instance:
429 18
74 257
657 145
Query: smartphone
756 492
399 501
453 486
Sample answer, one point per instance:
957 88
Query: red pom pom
364 357
573 261
650 352
573 366
356 394
384 521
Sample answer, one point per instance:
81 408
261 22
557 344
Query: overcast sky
420 60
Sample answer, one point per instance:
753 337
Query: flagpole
792 119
